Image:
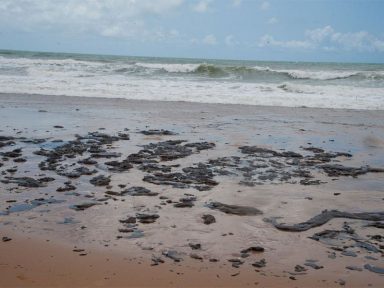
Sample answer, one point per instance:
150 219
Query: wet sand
229 127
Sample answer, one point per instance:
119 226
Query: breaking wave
207 70
249 72
333 85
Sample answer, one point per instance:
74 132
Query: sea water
291 84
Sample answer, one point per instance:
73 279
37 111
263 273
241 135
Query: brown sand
30 260
27 262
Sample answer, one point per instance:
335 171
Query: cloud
361 41
230 41
210 40
114 18
319 34
174 33
265 5
236 3
327 39
272 20
268 40
202 6
378 45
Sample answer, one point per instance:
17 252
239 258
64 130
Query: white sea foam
311 74
139 80
320 75
171 68
291 95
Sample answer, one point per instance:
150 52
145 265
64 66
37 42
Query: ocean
289 84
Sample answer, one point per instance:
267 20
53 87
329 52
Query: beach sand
44 229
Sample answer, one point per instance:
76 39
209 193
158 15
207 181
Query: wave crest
226 70
170 68
309 74
256 72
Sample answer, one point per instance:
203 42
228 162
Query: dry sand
40 252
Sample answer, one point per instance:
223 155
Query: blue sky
291 30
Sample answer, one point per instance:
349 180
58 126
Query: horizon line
2 50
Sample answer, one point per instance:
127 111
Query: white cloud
202 6
114 18
361 41
111 31
194 41
268 40
319 34
378 45
230 41
174 33
272 20
355 41
265 5
327 39
236 3
210 40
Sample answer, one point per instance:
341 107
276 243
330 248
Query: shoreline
228 128
24 97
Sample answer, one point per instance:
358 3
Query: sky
277 30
